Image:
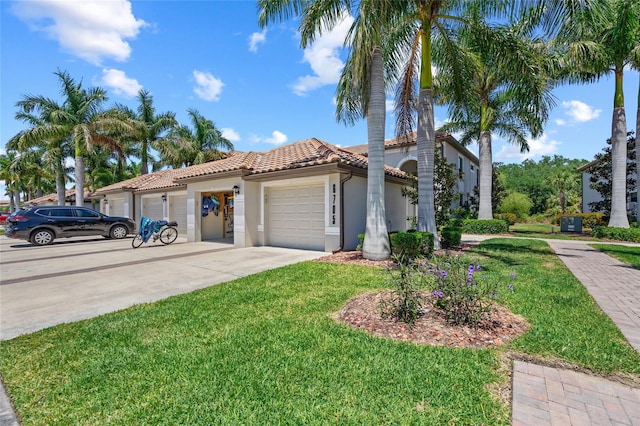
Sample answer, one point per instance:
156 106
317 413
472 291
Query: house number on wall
333 206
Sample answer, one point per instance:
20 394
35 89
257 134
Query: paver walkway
551 396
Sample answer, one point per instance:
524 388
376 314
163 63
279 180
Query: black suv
42 224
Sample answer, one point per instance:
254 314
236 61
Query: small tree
445 188
516 203
601 176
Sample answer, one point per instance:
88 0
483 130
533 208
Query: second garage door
178 212
152 208
296 217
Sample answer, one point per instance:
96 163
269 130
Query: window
472 167
460 167
56 212
87 213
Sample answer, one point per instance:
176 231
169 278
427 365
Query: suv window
87 213
55 212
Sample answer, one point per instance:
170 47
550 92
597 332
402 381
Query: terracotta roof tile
239 161
392 143
69 195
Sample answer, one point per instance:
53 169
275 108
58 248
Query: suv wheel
119 232
42 237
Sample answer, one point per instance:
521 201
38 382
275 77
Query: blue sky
258 86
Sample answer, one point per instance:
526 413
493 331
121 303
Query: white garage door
116 207
152 208
178 212
296 217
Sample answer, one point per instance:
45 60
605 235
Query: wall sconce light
236 189
164 197
106 201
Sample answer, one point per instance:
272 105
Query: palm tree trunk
619 169
60 183
485 209
144 158
425 143
376 241
79 180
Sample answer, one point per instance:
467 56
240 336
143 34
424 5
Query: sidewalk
551 396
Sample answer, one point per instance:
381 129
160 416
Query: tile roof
395 142
305 153
69 195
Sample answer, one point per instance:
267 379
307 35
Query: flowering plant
462 291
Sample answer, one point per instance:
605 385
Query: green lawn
626 254
265 349
543 230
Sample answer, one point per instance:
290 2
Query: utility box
571 224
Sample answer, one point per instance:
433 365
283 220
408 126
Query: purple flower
441 295
471 269
493 295
478 267
435 293
443 273
513 275
511 287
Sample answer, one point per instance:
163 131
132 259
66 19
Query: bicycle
162 230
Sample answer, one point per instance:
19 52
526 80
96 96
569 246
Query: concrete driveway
79 278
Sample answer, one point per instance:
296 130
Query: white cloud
207 86
277 138
323 57
92 30
389 105
542 146
120 83
560 122
230 134
255 39
580 111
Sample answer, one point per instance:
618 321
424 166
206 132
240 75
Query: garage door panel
152 208
297 217
178 212
116 207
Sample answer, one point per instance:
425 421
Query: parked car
3 217
42 224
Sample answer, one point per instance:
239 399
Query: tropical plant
517 204
508 93
361 88
150 128
186 146
600 38
79 119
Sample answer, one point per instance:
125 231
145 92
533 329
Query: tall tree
150 128
78 119
600 37
361 89
186 146
508 93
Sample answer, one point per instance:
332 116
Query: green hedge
589 220
621 234
450 236
412 244
509 217
477 226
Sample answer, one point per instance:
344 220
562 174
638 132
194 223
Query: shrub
620 234
509 217
459 293
516 203
411 245
589 220
361 239
407 281
450 236
477 226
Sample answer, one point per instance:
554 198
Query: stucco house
401 153
590 195
308 194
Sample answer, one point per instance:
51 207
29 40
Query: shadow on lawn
494 249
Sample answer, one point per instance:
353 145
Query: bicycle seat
172 223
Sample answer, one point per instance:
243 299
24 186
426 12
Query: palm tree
149 126
10 178
428 34
360 92
79 120
508 93
600 37
185 147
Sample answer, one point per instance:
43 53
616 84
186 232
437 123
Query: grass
626 254
544 230
265 350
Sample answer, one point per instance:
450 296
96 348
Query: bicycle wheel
137 241
168 235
